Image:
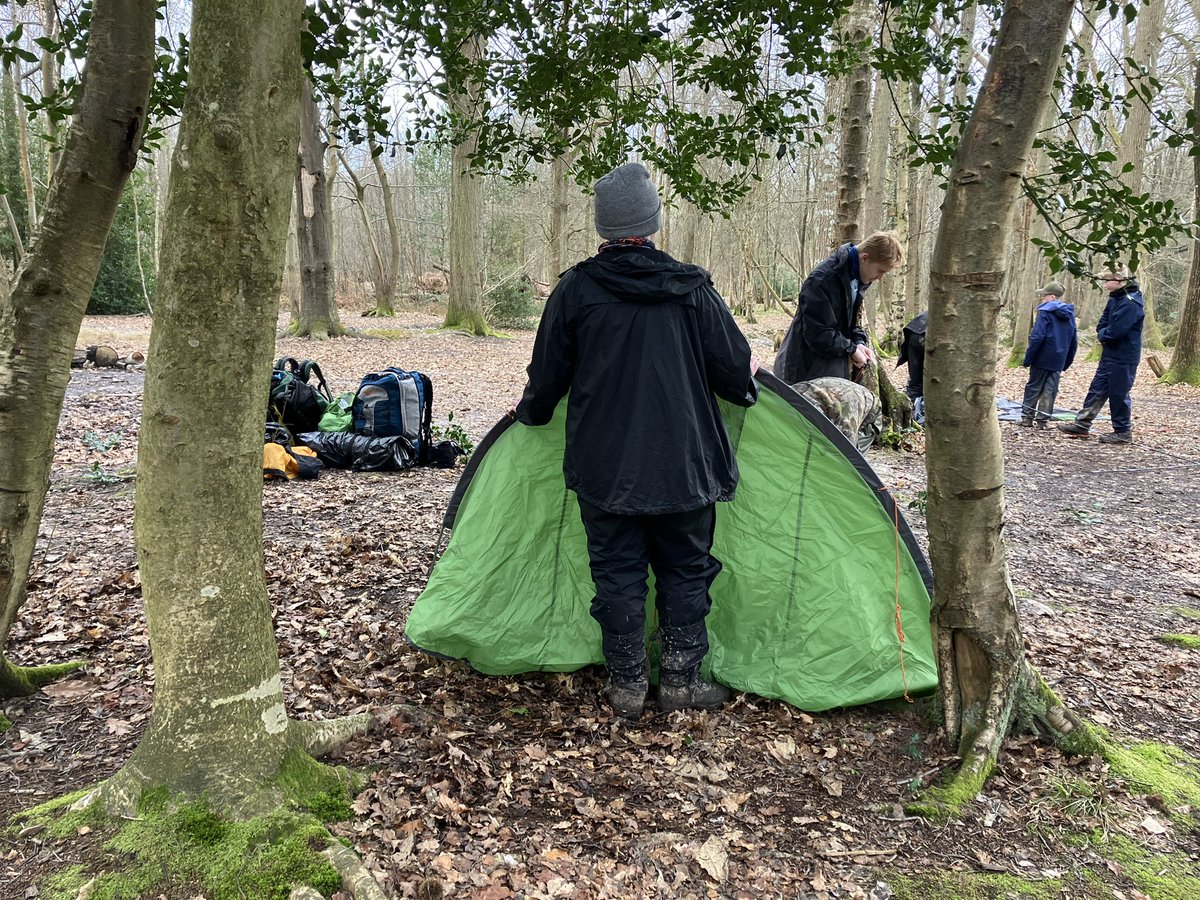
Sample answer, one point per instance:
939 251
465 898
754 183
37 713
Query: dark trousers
1040 393
916 370
1111 384
676 546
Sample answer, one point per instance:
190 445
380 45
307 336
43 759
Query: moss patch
326 791
946 801
1158 769
1190 641
192 846
387 334
1188 612
65 885
1171 876
972 886
5 723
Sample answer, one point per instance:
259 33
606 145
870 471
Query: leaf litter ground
526 787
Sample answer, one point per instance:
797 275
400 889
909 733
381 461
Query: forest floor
527 787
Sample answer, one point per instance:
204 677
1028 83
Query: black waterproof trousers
1111 384
1040 393
677 547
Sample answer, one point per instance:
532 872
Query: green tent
815 554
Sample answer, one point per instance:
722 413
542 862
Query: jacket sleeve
1103 323
1125 315
818 299
726 351
1036 337
553 364
1073 347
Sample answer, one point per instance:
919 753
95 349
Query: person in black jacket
912 351
645 345
1120 334
827 338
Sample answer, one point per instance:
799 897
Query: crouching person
644 345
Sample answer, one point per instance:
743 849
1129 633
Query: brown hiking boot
1117 437
1074 429
1026 423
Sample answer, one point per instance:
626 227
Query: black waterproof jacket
642 343
825 331
1120 326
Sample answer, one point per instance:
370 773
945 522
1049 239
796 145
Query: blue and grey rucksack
396 403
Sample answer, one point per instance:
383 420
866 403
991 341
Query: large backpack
293 401
396 403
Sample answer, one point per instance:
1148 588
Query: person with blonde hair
1120 334
826 337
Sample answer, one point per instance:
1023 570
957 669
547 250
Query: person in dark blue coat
1051 350
645 345
1120 335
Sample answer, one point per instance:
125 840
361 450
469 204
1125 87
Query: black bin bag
343 450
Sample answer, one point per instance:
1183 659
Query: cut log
1156 366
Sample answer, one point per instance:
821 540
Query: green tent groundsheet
814 550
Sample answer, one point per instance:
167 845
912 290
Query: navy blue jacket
645 345
827 327
1120 326
1053 341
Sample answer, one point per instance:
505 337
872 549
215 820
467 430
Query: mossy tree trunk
981 660
218 729
465 307
318 312
1185 361
40 318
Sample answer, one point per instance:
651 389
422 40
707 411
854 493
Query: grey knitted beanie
627 203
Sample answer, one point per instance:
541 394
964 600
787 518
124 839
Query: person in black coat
645 345
827 338
1120 334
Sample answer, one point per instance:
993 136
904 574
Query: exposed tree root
21 681
382 312
319 738
304 892
355 877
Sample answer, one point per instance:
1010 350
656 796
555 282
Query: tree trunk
1146 43
31 213
914 297
465 307
853 156
50 79
379 271
386 292
218 729
50 292
556 241
881 132
318 312
1185 361
981 661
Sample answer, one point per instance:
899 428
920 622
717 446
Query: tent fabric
814 551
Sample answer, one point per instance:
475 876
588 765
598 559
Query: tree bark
385 294
982 666
465 307
50 292
1146 43
556 240
50 79
31 213
380 271
1185 361
218 729
318 312
853 156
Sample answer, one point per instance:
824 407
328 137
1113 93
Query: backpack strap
287 364
426 417
308 368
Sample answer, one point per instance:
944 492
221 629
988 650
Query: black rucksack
293 402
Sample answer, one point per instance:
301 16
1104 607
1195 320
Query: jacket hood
1132 291
1065 311
642 275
